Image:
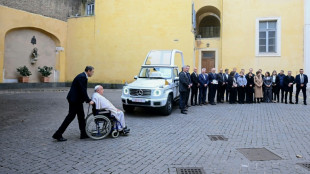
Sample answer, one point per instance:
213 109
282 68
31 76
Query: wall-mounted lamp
33 40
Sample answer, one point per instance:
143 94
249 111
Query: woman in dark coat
232 87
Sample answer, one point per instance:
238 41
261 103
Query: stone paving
157 144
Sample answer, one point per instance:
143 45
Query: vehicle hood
147 83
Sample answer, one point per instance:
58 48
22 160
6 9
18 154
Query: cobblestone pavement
157 144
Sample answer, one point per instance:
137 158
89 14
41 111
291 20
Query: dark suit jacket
297 80
277 80
213 77
220 78
230 82
78 90
250 80
184 82
203 81
189 77
288 80
194 79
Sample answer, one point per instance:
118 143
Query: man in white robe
103 103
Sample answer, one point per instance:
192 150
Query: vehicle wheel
98 127
167 109
128 108
115 134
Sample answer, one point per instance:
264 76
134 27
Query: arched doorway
19 45
208 20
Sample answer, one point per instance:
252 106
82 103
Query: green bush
24 71
45 71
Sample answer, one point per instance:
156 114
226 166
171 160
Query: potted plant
25 73
45 72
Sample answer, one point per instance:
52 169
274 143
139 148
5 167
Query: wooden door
208 60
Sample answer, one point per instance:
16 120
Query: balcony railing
209 32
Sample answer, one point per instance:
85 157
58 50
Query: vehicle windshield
156 72
159 58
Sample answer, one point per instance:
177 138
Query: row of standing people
241 87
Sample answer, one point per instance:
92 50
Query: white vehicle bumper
144 102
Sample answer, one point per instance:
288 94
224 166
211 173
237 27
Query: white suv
157 84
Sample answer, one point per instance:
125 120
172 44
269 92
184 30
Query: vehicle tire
167 109
128 108
115 134
98 127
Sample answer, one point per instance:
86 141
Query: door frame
208 49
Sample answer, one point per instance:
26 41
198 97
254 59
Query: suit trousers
212 91
241 94
275 93
281 91
220 92
249 94
74 109
290 91
187 97
202 95
194 94
303 89
232 95
268 94
183 96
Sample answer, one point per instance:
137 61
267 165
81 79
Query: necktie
301 78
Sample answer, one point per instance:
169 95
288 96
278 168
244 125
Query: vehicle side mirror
136 77
176 79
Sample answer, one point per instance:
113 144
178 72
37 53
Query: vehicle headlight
157 92
126 91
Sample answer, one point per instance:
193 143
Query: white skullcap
96 87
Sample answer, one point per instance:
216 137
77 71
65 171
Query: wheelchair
100 123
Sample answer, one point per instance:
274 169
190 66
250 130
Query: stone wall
59 9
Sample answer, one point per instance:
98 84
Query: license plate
139 100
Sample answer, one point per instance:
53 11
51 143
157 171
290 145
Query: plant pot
45 79
24 79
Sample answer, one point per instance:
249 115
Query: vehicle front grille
140 92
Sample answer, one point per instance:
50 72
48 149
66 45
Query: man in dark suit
189 89
226 75
195 86
281 85
301 81
289 81
203 82
183 88
213 78
221 87
76 97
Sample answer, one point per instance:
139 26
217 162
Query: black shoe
59 138
183 112
188 106
291 103
305 103
213 103
285 102
296 102
84 136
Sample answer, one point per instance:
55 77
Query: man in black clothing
226 75
76 97
195 86
221 87
189 89
289 81
183 88
213 79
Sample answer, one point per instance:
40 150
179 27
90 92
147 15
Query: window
90 9
268 37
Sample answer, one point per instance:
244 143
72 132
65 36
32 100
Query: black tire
167 109
128 108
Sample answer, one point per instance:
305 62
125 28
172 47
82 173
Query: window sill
268 55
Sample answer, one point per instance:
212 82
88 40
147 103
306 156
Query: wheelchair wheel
115 134
98 127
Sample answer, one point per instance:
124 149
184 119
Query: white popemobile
157 84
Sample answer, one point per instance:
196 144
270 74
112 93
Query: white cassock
103 103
